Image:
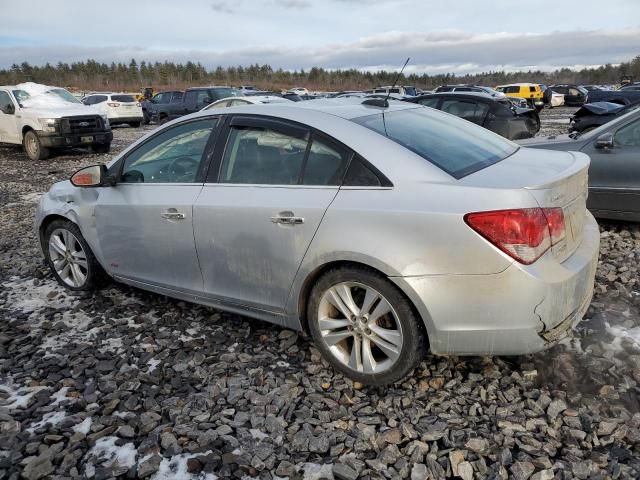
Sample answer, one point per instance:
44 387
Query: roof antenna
384 102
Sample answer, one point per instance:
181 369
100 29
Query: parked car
150 107
119 108
252 100
614 174
193 100
518 102
529 91
633 87
591 88
298 91
495 114
469 88
382 236
623 97
574 95
592 115
43 118
397 89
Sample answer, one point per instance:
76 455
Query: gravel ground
127 383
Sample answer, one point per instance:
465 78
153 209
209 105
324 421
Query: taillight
112 104
523 234
138 104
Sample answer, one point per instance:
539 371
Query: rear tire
134 124
163 120
33 148
70 258
381 341
101 147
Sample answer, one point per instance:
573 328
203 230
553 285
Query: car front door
614 174
9 131
145 221
258 213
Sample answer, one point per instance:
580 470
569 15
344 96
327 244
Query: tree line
93 75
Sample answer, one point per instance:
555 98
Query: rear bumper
57 140
522 310
133 118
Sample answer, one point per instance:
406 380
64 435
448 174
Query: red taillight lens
523 234
555 219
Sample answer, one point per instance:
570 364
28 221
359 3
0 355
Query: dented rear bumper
524 309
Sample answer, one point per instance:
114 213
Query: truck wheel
33 148
134 124
101 147
163 120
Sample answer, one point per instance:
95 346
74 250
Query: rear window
123 98
452 144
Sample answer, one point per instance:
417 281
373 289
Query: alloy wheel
68 258
360 327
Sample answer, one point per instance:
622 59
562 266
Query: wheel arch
311 278
25 129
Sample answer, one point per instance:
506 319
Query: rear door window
263 156
451 144
326 162
467 109
177 97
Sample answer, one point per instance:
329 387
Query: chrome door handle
173 215
287 220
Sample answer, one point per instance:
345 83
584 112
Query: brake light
523 234
112 104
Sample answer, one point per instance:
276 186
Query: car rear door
261 207
614 174
145 221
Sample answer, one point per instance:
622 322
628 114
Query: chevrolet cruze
384 230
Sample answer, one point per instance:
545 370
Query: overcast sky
457 36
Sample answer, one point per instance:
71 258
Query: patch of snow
60 396
51 419
83 427
257 434
619 333
107 452
175 468
111 345
315 471
282 364
24 295
153 364
18 398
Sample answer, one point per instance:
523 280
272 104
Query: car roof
484 95
346 108
209 87
521 84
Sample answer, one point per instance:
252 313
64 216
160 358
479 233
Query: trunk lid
555 179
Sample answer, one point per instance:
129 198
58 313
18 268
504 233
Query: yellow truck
529 91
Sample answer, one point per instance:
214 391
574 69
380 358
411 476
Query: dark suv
193 100
150 107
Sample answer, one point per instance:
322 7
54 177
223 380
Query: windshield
65 95
20 95
218 93
123 98
456 146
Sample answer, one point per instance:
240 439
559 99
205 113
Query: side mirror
93 176
8 109
605 141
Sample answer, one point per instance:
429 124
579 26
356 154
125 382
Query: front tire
33 147
70 258
364 326
101 147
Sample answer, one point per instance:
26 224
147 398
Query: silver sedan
383 230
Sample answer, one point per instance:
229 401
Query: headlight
49 124
105 121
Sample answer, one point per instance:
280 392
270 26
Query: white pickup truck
42 118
